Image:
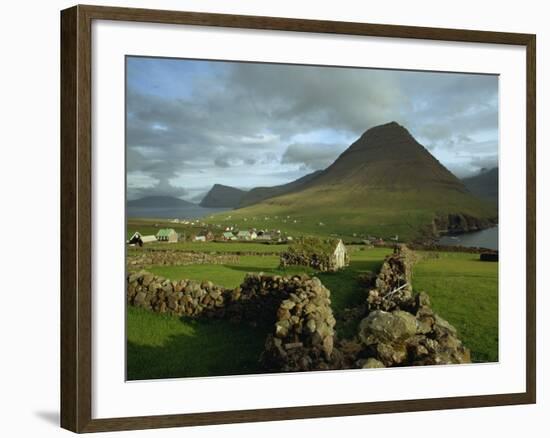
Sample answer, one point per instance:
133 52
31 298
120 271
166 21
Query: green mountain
158 201
484 185
384 184
259 194
221 196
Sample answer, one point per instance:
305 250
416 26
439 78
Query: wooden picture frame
76 217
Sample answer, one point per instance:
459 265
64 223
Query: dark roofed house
138 239
323 255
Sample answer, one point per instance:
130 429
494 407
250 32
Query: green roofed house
246 235
322 255
167 235
228 235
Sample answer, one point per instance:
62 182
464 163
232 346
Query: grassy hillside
385 183
341 211
258 194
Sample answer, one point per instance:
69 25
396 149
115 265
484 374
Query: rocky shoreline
458 223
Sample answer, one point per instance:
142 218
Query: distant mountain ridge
385 183
159 202
221 196
259 194
484 185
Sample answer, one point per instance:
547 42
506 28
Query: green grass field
464 291
342 284
163 346
220 247
228 275
167 346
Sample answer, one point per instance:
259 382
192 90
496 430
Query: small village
170 235
196 230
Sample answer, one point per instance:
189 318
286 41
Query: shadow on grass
204 348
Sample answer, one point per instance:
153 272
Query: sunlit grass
464 291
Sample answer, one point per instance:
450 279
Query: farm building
246 235
167 235
323 255
265 237
138 239
228 235
207 234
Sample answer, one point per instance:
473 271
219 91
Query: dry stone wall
298 306
320 262
400 327
141 259
182 297
303 338
432 246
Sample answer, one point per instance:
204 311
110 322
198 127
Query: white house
339 255
138 239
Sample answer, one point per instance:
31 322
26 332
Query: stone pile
303 338
182 297
139 259
259 296
401 328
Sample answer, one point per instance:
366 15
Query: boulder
381 326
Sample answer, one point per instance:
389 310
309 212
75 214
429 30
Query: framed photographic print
269 218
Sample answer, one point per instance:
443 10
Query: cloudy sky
191 124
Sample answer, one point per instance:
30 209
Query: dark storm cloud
311 156
248 124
